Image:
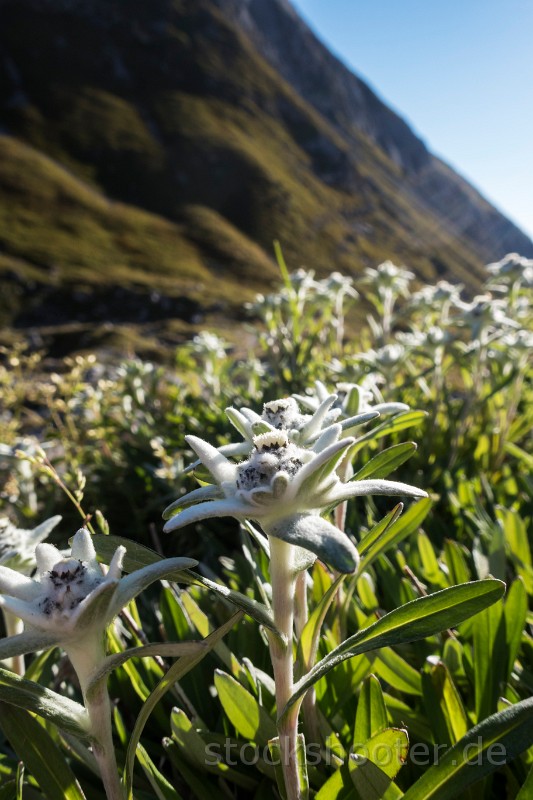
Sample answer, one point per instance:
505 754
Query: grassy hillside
166 166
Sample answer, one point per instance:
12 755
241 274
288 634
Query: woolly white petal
343 491
47 557
41 531
318 461
218 465
217 508
17 585
314 425
115 567
29 612
83 548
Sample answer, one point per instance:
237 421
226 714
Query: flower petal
115 568
324 463
41 531
328 437
83 548
343 491
27 611
313 427
210 492
17 585
217 508
218 465
26 642
47 557
325 540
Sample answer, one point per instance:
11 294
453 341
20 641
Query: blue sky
460 72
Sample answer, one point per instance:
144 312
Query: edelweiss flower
17 545
284 487
71 601
354 402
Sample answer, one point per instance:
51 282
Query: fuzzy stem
283 580
14 625
85 659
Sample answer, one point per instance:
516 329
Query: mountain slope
157 149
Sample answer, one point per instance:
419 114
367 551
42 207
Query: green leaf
487 746
378 529
393 425
65 713
371 715
515 614
395 670
490 659
160 785
415 620
197 752
403 526
36 748
301 760
175 673
309 639
371 782
527 788
243 711
444 706
387 749
165 649
386 462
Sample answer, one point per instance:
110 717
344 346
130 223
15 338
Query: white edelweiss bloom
17 545
388 276
71 600
356 402
514 268
284 487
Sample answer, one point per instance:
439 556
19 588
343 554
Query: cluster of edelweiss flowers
291 476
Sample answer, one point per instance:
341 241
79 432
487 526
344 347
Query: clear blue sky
460 72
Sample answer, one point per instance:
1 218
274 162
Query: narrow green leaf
66 714
456 562
387 461
371 715
393 425
36 748
431 569
396 671
387 749
487 746
301 760
165 649
409 522
243 711
417 619
526 792
443 705
515 613
490 659
379 528
371 782
162 788
175 673
309 639
198 753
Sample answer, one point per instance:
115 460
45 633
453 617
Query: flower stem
85 659
14 625
283 580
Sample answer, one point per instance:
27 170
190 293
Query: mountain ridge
185 119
